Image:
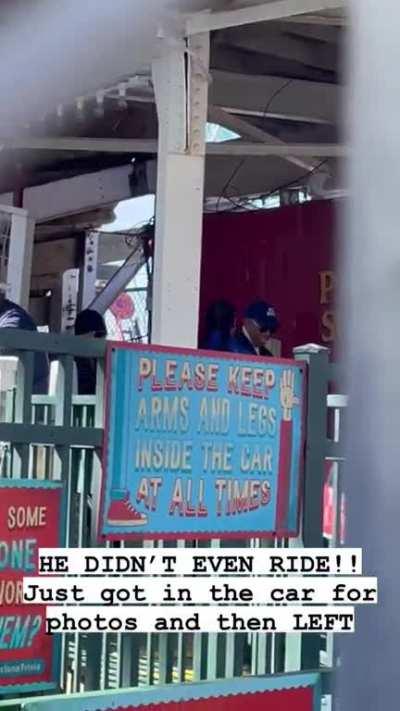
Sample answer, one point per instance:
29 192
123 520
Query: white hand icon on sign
288 398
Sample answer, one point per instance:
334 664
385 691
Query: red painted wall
284 256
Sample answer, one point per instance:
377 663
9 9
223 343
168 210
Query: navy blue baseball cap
264 314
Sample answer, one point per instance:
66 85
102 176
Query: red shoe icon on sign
122 513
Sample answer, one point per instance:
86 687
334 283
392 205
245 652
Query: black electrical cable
241 205
274 95
241 163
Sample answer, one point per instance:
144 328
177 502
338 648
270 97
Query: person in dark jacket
220 324
14 316
89 324
259 324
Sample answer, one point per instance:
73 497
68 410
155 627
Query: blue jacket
216 342
241 344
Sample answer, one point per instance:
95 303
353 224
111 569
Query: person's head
91 324
260 322
220 317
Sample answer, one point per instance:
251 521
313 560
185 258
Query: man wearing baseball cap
259 324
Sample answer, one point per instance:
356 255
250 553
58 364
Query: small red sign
30 518
280 692
294 699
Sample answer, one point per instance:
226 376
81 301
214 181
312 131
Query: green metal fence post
23 411
234 649
316 358
95 643
199 656
166 647
317 361
294 639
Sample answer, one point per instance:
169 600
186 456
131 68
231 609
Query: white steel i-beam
120 279
81 193
267 11
181 90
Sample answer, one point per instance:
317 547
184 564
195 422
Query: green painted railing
60 437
